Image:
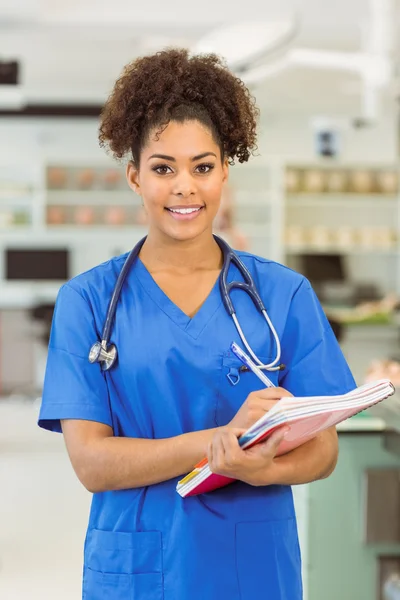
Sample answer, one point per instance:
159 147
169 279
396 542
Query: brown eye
205 168
160 169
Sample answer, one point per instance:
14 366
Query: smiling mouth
185 211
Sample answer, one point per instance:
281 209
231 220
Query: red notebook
305 416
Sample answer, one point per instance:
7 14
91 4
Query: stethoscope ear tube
112 307
106 354
103 352
247 285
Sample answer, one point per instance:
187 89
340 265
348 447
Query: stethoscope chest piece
99 353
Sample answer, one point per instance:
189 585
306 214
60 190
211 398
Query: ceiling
73 51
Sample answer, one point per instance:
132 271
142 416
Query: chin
185 234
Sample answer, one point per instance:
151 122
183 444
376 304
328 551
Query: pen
246 360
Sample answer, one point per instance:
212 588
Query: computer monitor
32 264
320 268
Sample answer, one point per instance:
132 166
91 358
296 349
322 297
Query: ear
132 176
225 171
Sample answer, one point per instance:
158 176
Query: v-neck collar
193 326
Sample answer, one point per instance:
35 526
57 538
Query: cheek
212 196
211 188
154 194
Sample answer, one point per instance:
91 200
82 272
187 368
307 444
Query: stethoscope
106 354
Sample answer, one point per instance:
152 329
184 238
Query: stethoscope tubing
100 352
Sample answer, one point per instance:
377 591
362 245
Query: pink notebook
306 417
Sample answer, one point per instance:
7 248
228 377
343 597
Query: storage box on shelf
17 194
342 225
341 210
87 197
353 211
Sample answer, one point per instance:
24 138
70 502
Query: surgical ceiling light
260 50
245 44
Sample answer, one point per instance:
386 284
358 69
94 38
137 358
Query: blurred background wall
321 196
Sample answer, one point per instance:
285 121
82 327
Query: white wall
292 139
288 138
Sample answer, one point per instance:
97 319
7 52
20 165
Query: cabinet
338 563
88 208
347 210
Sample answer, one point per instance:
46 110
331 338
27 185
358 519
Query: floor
44 512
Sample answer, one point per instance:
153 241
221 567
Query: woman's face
180 179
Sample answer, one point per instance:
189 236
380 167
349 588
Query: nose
184 185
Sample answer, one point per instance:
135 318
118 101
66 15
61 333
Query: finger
210 454
218 453
272 443
272 393
261 404
212 449
237 431
231 448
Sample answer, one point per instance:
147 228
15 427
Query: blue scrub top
172 378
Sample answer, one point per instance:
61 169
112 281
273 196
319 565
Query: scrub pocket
123 566
268 560
235 385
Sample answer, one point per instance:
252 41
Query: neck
164 253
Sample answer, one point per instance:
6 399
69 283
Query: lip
178 206
184 217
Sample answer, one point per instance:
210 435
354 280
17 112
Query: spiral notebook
306 417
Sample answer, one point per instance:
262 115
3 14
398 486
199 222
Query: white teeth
184 211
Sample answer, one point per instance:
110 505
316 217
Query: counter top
18 425
361 424
19 429
27 295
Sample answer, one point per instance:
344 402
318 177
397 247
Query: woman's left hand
226 457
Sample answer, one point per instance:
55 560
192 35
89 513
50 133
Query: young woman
176 392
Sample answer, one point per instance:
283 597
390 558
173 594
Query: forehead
181 139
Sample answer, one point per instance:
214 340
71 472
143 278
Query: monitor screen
37 264
319 268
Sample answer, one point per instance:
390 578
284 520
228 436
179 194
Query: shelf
367 331
342 200
111 230
25 294
94 197
65 234
12 194
16 201
12 229
362 423
340 250
93 229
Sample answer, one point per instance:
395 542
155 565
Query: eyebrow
172 159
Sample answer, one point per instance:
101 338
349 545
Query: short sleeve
314 361
73 388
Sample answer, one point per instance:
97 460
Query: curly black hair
169 86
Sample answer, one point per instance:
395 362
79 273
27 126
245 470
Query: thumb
272 443
237 431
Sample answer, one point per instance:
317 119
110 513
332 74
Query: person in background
226 223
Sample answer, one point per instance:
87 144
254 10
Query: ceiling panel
75 50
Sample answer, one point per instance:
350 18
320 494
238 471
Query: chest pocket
235 385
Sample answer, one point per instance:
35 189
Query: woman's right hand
256 405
